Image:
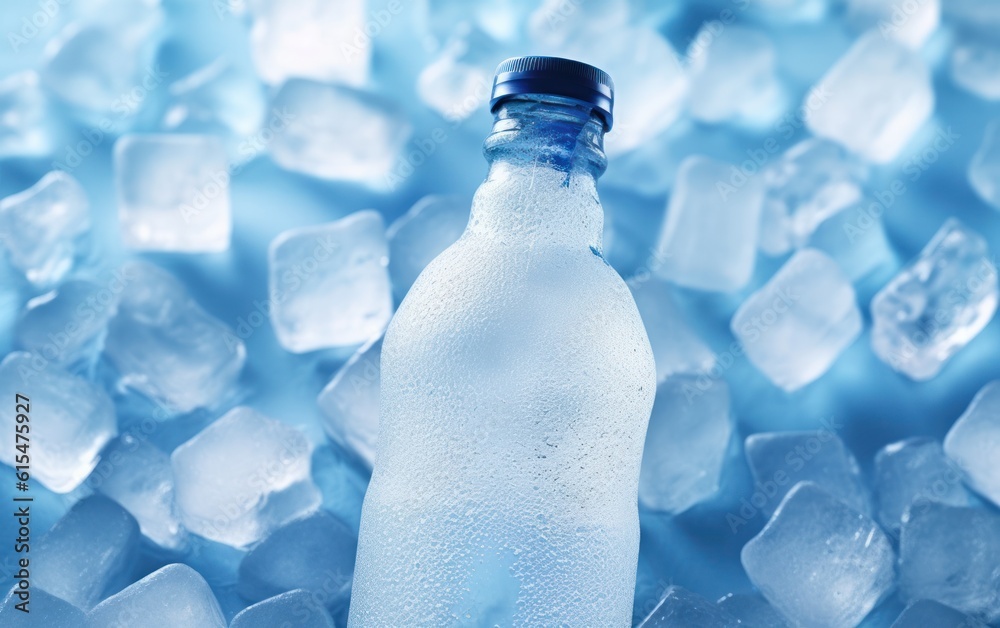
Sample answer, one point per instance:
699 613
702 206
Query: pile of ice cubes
210 211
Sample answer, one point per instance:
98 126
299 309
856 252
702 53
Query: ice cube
171 596
912 473
799 322
975 66
42 610
732 70
930 614
70 420
26 123
67 325
241 477
330 284
166 346
974 440
873 100
908 23
138 476
295 609
950 555
676 347
89 550
935 305
317 39
686 443
350 403
173 192
855 239
752 610
342 484
40 227
808 184
820 562
220 97
457 82
680 607
780 460
315 553
709 236
984 169
362 143
501 19
421 234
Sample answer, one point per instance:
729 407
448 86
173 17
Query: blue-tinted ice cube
170 597
732 71
752 610
315 553
323 40
809 183
908 23
457 82
241 477
936 304
362 143
680 607
421 234
676 347
173 192
950 555
975 66
342 484
75 419
973 442
42 611
329 284
984 169
709 236
800 321
295 609
40 227
166 346
873 100
89 550
689 433
350 402
221 97
67 325
780 460
820 562
26 125
930 614
138 476
912 473
855 238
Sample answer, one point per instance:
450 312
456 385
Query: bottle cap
558 77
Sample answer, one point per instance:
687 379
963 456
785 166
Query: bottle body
517 382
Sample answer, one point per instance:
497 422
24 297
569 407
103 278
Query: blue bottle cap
558 77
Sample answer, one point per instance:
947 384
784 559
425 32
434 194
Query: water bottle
517 382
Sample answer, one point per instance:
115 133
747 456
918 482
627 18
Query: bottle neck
545 154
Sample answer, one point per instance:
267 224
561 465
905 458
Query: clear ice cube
457 82
686 442
800 321
936 304
855 238
908 23
752 610
975 66
170 597
362 143
930 614
43 611
27 128
912 473
221 97
974 440
167 347
241 477
709 236
67 325
173 192
873 100
676 347
820 562
329 284
984 169
87 551
295 609
350 403
421 234
41 226
780 460
680 607
76 420
950 555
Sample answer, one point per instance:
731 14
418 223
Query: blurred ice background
210 209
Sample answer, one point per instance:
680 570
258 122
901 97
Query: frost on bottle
517 381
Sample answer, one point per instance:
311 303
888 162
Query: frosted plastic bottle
517 382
